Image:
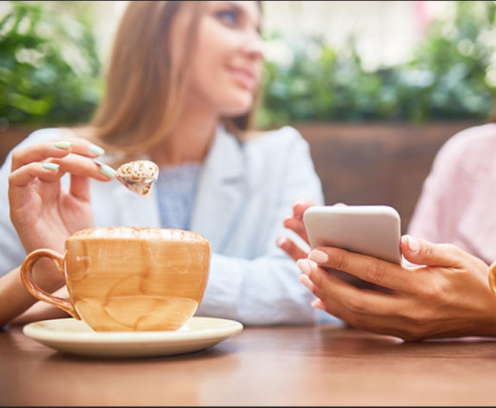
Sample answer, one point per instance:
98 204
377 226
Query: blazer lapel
219 199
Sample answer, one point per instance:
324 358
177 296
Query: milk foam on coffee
139 233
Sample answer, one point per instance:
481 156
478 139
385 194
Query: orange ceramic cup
128 278
492 277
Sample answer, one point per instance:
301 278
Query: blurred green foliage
49 67
50 72
451 76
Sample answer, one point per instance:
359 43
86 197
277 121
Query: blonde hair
145 90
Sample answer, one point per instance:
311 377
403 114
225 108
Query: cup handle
31 287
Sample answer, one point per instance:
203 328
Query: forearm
14 298
18 306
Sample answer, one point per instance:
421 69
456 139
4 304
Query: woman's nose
253 45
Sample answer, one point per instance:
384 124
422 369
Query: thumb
420 252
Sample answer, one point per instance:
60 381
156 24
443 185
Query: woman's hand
295 223
44 214
447 296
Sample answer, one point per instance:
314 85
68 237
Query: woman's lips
244 77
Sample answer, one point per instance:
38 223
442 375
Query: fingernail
280 241
318 256
97 150
318 304
307 282
295 203
413 244
63 144
51 166
304 266
107 170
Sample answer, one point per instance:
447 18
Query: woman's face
227 62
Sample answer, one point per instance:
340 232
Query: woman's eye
228 17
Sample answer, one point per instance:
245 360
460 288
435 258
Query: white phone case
367 229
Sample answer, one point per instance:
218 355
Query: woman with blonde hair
181 89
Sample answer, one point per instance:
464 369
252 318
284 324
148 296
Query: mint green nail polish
51 166
107 170
97 150
63 144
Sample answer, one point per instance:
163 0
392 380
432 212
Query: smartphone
373 230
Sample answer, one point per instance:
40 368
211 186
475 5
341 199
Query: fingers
318 304
290 247
297 226
19 179
361 315
48 172
422 252
344 300
80 166
365 267
55 149
300 206
55 169
80 187
70 156
295 222
49 161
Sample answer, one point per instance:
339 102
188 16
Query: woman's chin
238 106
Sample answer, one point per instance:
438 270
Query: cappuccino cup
128 278
492 277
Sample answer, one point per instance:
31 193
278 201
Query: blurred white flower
278 52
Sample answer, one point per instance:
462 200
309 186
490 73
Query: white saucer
76 337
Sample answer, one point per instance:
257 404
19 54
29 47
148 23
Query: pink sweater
456 204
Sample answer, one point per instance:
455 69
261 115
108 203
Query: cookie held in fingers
138 176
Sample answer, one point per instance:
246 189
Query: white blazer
245 191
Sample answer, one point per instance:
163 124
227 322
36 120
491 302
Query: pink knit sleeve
443 197
427 221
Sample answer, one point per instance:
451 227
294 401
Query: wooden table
321 365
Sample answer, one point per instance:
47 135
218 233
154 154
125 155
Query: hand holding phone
373 230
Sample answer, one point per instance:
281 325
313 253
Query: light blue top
244 192
176 190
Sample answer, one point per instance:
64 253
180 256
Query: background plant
451 76
50 72
49 67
